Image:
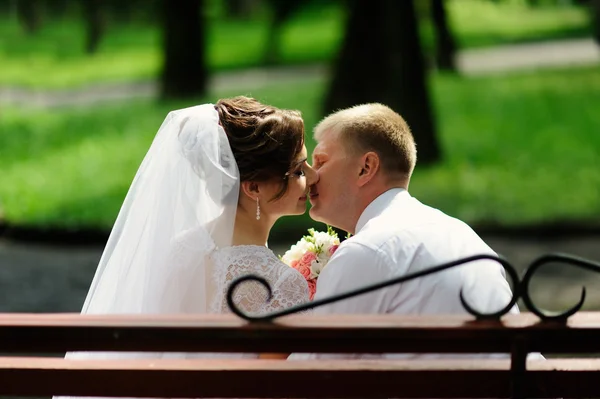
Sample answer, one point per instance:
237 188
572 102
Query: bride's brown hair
265 140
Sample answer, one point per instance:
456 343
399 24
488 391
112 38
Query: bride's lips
303 198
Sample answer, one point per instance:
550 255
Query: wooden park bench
23 337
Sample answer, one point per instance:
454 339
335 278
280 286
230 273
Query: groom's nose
312 176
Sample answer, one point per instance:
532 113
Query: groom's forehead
324 150
327 139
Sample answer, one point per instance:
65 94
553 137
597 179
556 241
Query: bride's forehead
302 155
303 152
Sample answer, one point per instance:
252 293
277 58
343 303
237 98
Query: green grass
73 167
520 149
487 23
54 58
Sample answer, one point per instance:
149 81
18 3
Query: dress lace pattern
288 286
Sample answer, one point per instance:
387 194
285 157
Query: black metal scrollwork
520 288
553 258
510 270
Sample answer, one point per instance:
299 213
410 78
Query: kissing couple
218 176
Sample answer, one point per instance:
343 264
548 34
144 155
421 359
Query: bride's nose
312 176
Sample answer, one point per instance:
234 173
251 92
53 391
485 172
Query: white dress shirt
395 235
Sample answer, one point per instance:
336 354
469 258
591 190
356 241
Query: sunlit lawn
518 149
54 57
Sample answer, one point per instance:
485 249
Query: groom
365 157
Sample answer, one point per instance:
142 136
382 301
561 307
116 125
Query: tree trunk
184 72
445 45
381 61
273 45
240 9
57 8
281 12
122 11
29 13
94 19
595 10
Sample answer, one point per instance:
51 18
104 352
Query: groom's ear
251 189
369 167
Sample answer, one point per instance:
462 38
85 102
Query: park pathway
471 62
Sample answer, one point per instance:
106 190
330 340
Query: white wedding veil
180 206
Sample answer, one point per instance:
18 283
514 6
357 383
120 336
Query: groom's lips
303 198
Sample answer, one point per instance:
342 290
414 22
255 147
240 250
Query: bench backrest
513 335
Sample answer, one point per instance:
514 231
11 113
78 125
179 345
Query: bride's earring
257 209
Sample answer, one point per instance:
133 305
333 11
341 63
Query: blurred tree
94 19
381 61
281 12
241 8
444 40
121 11
595 9
6 6
132 10
30 15
184 71
57 8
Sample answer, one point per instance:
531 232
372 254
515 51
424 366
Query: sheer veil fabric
179 208
170 248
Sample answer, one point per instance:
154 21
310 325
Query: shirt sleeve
354 266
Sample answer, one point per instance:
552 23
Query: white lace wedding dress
288 286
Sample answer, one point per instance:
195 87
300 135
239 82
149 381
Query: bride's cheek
296 185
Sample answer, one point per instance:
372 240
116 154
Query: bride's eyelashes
300 173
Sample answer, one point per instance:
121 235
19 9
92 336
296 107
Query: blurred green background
504 102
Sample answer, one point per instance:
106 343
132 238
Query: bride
199 212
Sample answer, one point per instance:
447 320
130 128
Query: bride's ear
250 189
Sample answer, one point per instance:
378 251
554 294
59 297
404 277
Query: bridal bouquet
310 255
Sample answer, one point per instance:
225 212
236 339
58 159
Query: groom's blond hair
375 127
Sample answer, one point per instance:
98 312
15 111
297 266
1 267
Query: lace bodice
288 286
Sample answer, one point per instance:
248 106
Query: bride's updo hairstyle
265 140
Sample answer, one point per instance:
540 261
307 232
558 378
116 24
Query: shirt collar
377 206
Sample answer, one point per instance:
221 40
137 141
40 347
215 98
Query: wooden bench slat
48 363
51 363
442 378
361 334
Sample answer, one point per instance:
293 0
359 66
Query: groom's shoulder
409 222
379 236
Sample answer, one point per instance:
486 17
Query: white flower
325 241
323 257
315 268
316 242
296 251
